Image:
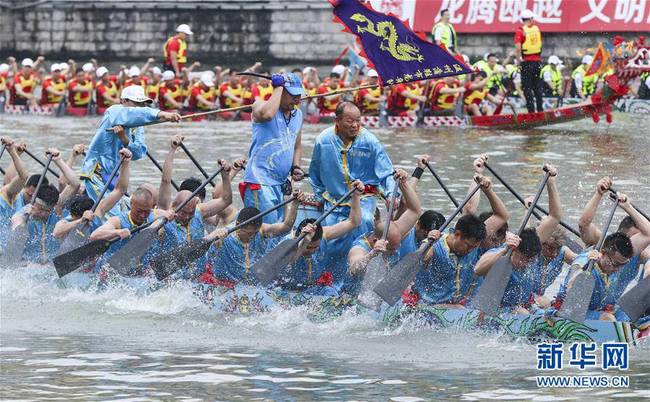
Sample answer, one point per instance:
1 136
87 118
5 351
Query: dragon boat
244 300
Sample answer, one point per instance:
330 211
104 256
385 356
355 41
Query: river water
71 345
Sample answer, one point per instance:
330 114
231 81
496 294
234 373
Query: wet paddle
636 301
185 254
156 164
2 151
377 268
442 185
40 162
403 273
490 293
269 267
578 297
129 255
196 163
523 202
79 236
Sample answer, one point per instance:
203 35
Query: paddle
636 301
490 293
521 200
2 151
578 297
611 190
377 268
196 163
19 235
156 164
403 273
79 236
40 162
183 255
442 185
130 254
72 260
423 104
267 268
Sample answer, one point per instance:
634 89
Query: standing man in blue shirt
275 149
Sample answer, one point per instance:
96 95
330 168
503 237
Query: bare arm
487 260
589 233
276 229
70 176
165 190
358 258
412 202
550 222
499 212
266 110
472 206
110 230
354 219
217 205
13 187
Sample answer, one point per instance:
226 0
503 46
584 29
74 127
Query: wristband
417 173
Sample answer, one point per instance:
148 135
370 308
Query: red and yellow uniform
3 83
443 101
152 89
209 95
180 47
530 38
142 81
79 99
396 101
310 89
109 88
27 83
263 92
175 90
233 90
327 106
368 107
247 95
475 96
414 89
58 84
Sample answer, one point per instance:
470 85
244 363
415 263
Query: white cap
101 71
527 15
554 60
134 71
156 70
587 59
27 62
88 67
184 28
135 93
4 67
55 67
466 58
168 75
306 70
339 69
372 73
206 78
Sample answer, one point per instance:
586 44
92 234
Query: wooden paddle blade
75 239
636 301
400 277
578 297
179 257
13 250
269 267
376 270
72 260
130 254
490 293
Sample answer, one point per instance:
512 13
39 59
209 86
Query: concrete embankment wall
226 32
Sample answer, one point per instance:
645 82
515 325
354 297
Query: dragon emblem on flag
386 30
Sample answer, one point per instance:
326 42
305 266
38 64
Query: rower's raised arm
589 233
472 206
412 202
17 182
276 229
216 205
165 191
500 214
552 220
354 219
71 177
266 110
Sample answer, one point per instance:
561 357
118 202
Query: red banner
483 16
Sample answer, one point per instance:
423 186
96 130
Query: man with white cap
153 83
369 99
203 95
126 120
552 76
106 90
80 89
276 150
528 49
53 87
135 78
175 49
170 94
22 92
583 84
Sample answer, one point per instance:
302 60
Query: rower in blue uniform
231 257
448 275
371 244
275 149
308 273
124 118
10 192
617 265
343 153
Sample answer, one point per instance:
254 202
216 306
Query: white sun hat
184 28
135 93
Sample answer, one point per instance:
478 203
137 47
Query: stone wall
233 33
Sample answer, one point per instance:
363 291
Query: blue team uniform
270 157
41 245
176 234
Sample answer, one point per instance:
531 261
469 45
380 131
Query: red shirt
396 100
520 38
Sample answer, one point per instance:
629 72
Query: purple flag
398 54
